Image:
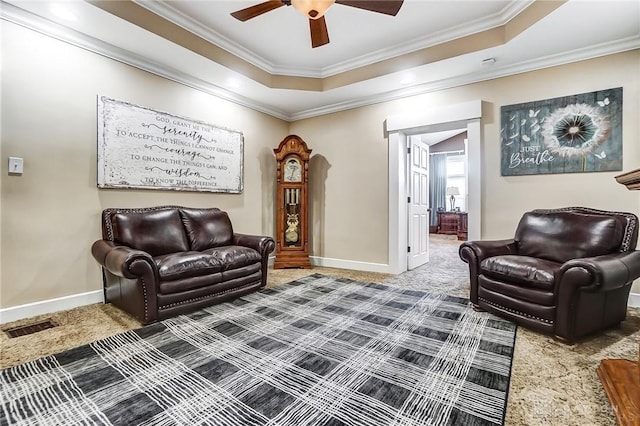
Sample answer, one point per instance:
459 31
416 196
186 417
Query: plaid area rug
316 351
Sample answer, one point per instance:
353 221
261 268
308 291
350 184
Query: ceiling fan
315 10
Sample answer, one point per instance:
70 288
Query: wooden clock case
292 201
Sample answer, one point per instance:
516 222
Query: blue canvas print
571 134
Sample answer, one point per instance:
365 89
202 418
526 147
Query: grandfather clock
292 224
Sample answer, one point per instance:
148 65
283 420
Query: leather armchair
567 272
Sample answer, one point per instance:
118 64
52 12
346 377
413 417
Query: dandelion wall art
571 134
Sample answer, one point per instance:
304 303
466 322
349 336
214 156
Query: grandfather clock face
292 237
292 170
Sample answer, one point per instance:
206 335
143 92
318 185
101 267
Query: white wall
354 144
50 216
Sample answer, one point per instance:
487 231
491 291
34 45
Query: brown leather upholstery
567 272
207 228
158 262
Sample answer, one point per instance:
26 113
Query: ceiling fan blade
258 9
388 7
319 33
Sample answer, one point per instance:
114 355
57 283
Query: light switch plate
16 165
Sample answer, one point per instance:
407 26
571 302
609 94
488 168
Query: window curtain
437 185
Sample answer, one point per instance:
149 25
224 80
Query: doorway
437 188
460 116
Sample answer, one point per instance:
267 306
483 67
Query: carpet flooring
316 351
551 383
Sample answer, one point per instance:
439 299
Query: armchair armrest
479 250
604 276
474 252
122 261
605 273
262 244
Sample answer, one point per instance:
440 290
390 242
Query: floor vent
23 330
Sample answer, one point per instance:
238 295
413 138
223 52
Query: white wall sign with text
142 148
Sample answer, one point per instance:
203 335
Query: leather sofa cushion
187 264
521 270
188 284
516 291
207 228
156 232
233 257
561 236
177 294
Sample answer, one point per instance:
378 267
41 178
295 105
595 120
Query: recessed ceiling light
63 12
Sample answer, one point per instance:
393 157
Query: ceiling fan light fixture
312 9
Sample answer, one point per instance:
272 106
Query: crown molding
578 55
175 16
46 27
26 19
463 30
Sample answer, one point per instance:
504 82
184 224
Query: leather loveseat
159 262
566 272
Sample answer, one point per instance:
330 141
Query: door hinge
409 249
408 150
408 199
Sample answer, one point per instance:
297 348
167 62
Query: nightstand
453 223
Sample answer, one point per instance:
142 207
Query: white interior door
418 172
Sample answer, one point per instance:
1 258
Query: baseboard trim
353 265
349 264
634 300
16 313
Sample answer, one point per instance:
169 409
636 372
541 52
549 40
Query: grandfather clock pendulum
292 227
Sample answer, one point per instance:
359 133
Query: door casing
464 115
